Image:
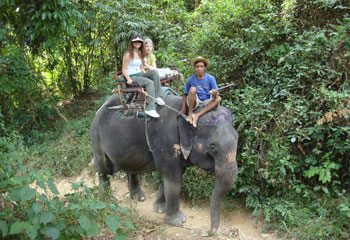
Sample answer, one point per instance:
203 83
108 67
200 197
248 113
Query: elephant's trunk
226 174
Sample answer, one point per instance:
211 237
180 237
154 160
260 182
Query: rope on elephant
146 128
147 95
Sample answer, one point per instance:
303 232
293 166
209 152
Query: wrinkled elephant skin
119 143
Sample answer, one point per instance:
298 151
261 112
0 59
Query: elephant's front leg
134 187
172 190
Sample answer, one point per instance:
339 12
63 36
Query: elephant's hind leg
104 169
159 205
134 187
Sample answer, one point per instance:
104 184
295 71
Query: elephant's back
174 101
122 138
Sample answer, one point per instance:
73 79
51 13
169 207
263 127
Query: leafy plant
32 207
197 184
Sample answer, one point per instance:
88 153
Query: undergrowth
66 147
32 207
66 153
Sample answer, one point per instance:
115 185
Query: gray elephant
169 145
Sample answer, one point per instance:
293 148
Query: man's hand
214 92
129 81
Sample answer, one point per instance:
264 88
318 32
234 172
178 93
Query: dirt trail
238 224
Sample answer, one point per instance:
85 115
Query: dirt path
238 224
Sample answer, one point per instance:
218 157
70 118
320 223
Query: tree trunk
47 91
196 4
51 98
32 110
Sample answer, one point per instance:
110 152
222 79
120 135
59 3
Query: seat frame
132 97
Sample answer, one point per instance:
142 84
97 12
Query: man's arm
214 92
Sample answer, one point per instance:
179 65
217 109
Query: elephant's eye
213 149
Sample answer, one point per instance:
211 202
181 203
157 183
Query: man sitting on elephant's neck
200 91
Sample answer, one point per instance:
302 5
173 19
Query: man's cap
136 38
200 59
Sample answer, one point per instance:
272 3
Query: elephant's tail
103 164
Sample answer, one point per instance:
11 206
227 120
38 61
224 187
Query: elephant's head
212 146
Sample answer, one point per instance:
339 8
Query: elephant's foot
139 195
159 207
176 219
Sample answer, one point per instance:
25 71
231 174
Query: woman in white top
134 71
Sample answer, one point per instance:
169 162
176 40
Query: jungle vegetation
289 61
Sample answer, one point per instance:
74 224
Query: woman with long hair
134 71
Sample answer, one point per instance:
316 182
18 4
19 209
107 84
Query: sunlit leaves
41 24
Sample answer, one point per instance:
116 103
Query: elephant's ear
186 135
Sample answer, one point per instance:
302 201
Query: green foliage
66 150
320 215
33 209
102 36
287 79
23 102
39 24
318 13
197 184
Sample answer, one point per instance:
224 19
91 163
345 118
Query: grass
65 148
66 154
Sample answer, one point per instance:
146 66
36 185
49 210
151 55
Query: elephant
168 145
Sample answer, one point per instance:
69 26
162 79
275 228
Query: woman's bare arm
126 60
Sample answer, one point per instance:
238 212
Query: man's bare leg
210 106
192 101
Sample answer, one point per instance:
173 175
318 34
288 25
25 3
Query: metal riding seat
132 97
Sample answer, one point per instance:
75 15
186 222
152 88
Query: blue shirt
203 85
